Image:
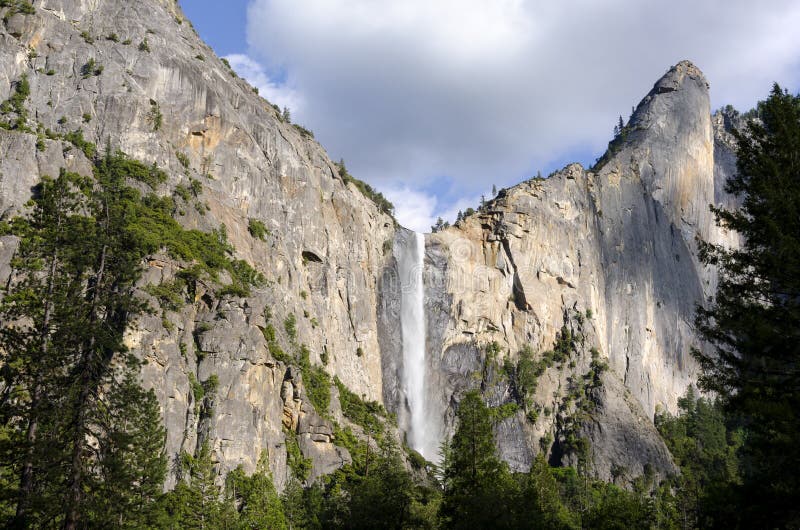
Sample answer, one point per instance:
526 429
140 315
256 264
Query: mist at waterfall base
422 429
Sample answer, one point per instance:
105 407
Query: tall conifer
754 322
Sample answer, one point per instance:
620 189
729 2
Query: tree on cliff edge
754 322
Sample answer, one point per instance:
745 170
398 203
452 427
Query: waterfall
421 429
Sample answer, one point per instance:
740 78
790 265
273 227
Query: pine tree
112 267
542 505
440 225
259 504
131 464
705 449
196 501
754 322
383 498
82 432
614 507
39 316
478 489
342 170
81 442
294 509
205 503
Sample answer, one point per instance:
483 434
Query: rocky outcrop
315 433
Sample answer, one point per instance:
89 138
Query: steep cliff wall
159 94
611 248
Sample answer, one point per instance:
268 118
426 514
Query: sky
434 102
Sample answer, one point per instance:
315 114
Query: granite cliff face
322 255
607 254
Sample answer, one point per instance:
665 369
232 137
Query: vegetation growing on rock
73 383
368 191
257 229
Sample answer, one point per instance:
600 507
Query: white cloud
418 210
255 74
492 90
414 209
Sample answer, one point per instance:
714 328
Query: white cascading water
422 434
